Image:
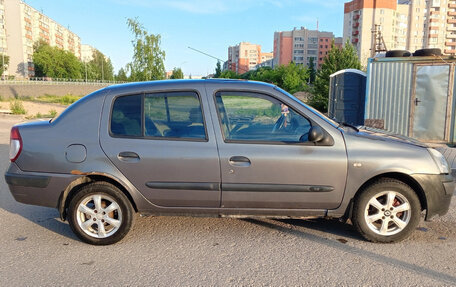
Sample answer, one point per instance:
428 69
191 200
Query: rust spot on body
78 172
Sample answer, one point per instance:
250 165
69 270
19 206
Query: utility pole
3 64
378 43
373 29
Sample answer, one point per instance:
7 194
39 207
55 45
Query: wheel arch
74 186
405 178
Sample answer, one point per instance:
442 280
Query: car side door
266 158
163 142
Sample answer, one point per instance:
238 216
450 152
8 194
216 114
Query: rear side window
126 116
175 115
161 115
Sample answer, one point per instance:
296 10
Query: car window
126 116
166 115
258 117
174 115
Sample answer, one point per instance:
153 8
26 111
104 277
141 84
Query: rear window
126 116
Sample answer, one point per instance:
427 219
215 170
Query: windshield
318 113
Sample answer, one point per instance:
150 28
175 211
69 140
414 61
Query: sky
207 25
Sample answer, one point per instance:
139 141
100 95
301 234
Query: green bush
17 108
52 113
69 99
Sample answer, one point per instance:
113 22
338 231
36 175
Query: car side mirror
316 134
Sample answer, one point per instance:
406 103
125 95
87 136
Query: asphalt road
37 249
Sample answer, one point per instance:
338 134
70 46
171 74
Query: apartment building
300 45
416 24
245 57
3 46
87 52
372 25
440 25
375 24
23 26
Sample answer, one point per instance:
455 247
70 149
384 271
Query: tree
292 78
312 72
177 74
336 60
100 67
5 62
121 76
228 74
56 63
148 57
218 70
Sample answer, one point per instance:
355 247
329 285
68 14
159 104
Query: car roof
138 86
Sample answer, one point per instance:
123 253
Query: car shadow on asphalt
330 226
336 244
47 218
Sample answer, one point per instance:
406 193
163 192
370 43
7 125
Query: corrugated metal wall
388 94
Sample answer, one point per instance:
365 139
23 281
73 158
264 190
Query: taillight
15 144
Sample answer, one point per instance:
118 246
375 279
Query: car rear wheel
386 211
100 214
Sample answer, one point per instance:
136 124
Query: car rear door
162 140
265 158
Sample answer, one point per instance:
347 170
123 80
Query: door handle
239 161
128 156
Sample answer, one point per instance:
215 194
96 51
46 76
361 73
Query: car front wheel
100 214
386 211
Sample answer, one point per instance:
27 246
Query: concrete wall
36 90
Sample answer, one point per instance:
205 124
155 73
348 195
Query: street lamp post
3 63
85 64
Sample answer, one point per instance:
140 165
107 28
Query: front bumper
36 188
438 190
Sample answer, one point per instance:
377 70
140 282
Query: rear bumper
438 190
43 189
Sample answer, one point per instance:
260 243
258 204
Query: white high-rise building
21 27
403 25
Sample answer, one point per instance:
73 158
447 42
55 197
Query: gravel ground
37 249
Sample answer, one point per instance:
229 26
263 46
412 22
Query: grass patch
53 99
17 108
51 114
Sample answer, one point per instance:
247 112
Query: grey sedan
220 148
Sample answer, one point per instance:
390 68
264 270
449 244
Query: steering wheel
279 123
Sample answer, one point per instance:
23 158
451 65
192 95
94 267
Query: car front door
266 159
163 142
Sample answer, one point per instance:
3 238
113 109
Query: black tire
381 190
122 215
427 52
397 53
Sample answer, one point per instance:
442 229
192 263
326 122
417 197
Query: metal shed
412 96
347 89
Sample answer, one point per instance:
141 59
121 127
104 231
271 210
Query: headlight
440 160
